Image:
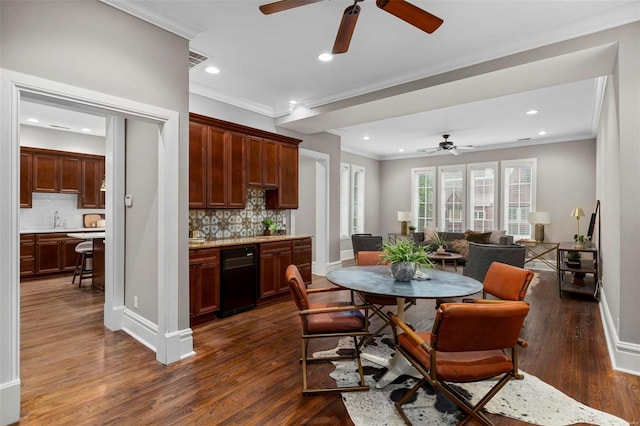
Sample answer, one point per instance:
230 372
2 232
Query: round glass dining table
378 280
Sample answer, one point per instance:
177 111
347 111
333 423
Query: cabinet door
197 166
69 255
27 255
70 175
45 173
254 161
237 192
26 176
286 196
216 171
89 196
274 260
270 164
48 259
207 289
302 258
100 179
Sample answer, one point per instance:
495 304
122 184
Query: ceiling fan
400 8
446 145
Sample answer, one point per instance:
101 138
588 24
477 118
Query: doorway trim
169 342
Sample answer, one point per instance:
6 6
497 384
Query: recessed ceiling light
366 137
325 57
33 120
212 70
401 150
86 130
293 102
542 133
532 112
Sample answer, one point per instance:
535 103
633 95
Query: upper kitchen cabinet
26 176
216 167
56 172
286 195
92 175
262 163
225 158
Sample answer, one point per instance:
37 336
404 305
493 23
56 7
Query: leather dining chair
378 302
506 282
469 342
324 320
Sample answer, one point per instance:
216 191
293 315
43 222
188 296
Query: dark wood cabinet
225 158
55 253
27 255
262 163
26 179
274 259
204 284
216 167
302 258
98 264
56 173
286 195
92 175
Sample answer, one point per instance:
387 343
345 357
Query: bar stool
85 253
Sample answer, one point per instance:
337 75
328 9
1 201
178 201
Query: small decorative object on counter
269 227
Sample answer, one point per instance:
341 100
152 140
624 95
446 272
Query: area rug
529 400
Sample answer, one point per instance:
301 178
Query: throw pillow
482 238
462 247
429 231
495 236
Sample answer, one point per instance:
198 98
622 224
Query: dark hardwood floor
246 369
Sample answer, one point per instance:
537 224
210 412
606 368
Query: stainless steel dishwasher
238 284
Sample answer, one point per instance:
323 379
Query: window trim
415 172
347 191
454 168
504 164
495 165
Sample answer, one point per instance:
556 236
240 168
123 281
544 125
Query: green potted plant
573 259
436 239
412 229
404 257
269 226
578 240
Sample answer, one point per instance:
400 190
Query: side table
588 266
445 257
537 250
393 238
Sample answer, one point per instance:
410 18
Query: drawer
27 238
27 251
303 244
277 247
57 236
208 254
302 258
27 267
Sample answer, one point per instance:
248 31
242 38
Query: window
351 200
482 196
519 177
423 203
452 198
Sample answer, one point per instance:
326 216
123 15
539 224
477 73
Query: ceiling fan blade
454 151
466 147
412 14
345 31
279 6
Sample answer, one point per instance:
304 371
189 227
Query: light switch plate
128 200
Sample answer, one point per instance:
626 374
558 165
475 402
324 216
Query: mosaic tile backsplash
227 223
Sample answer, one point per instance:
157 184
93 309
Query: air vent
196 59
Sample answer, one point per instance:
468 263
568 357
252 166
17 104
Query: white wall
89 45
306 213
39 137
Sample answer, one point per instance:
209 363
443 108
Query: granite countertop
225 242
60 230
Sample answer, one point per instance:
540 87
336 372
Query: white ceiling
267 60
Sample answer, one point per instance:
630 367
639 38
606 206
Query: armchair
322 320
469 342
481 256
365 243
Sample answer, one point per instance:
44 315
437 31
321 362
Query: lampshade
404 216
543 218
577 212
102 186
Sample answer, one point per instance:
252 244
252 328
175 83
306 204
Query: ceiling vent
196 59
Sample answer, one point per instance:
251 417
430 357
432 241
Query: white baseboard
141 329
323 270
625 357
10 402
346 255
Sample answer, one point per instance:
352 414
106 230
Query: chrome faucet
56 220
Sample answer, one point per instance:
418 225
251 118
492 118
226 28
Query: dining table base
396 367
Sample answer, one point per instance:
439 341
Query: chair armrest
334 309
409 332
325 289
506 240
522 343
492 301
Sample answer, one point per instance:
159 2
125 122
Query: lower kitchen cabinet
302 258
204 284
274 259
27 255
55 253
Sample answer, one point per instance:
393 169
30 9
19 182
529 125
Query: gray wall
39 137
306 213
566 179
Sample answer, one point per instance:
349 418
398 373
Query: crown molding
201 89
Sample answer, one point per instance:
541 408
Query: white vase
403 271
441 250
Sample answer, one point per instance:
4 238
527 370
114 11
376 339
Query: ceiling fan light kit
401 9
446 145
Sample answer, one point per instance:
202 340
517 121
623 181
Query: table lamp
577 213
539 219
404 217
